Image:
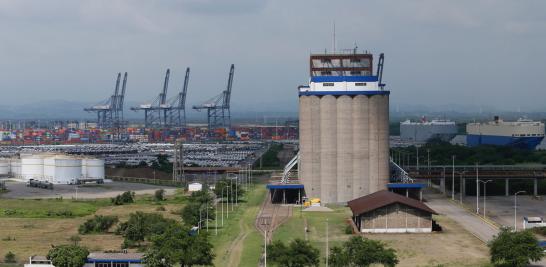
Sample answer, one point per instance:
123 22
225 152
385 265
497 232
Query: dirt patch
452 247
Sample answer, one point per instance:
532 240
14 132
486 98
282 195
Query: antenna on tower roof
334 40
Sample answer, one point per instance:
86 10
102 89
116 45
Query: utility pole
265 248
462 187
428 160
516 209
327 250
453 177
485 194
222 204
417 157
477 191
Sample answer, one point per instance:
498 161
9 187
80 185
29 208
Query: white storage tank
32 167
4 167
62 169
15 168
93 168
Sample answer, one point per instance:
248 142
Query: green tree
298 253
224 185
514 248
359 251
141 226
177 246
197 206
98 224
68 256
9 257
193 212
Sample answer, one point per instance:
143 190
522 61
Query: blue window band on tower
321 79
350 93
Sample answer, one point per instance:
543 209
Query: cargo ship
523 133
425 130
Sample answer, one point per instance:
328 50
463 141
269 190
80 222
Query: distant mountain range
72 110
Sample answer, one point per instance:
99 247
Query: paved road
470 222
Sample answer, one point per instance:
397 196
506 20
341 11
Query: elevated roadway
484 172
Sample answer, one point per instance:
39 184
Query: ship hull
528 142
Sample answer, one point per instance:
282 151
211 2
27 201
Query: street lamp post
516 209
485 194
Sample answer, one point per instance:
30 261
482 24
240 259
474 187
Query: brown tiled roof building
388 212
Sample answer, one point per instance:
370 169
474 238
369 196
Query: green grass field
316 223
31 226
453 247
48 208
238 243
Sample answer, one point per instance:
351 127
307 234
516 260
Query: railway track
271 216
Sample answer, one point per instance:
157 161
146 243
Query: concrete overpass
483 172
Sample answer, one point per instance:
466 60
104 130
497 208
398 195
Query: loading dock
286 193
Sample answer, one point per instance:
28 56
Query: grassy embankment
239 243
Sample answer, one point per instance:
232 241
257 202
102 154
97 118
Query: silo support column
507 187
443 185
535 187
463 187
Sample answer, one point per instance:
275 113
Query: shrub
8 238
159 195
98 224
160 208
349 229
9 257
126 197
539 230
9 212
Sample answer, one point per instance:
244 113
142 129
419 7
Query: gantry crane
110 111
218 109
155 113
177 113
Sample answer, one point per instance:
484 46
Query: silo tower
344 127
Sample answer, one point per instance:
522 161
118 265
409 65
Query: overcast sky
490 53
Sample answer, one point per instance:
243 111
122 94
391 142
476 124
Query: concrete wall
344 146
394 217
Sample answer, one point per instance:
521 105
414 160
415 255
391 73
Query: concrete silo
344 128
